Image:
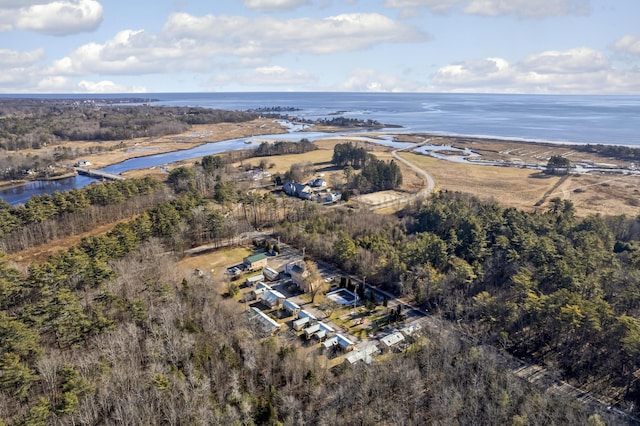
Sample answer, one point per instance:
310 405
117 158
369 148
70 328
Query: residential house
338 341
365 354
272 298
305 318
261 288
255 262
291 307
325 331
268 324
311 330
298 272
391 340
251 281
299 190
270 274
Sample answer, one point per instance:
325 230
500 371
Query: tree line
375 175
50 216
29 125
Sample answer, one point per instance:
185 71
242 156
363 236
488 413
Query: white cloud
274 5
106 86
276 76
628 44
573 71
527 8
368 80
12 58
62 17
340 33
520 8
574 61
190 43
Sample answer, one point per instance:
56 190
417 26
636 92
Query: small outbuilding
251 281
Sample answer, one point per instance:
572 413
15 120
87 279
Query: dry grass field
510 186
217 261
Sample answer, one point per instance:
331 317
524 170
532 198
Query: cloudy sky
521 46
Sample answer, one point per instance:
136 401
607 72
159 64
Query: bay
583 119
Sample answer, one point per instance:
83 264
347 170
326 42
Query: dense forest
549 287
110 331
28 123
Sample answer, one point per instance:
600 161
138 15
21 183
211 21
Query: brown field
41 253
214 262
510 186
607 194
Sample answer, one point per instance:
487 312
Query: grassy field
510 186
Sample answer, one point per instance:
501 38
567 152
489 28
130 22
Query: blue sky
495 46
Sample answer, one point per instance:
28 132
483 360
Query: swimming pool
342 296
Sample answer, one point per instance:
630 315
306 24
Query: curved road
426 176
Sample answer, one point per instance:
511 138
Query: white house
272 298
391 340
291 307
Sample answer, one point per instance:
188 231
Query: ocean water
554 118
586 119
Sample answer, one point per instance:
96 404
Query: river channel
22 193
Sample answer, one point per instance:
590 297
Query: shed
291 307
256 261
391 340
272 298
251 281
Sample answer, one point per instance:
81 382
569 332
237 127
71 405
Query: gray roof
291 306
392 339
267 322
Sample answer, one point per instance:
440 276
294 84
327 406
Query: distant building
299 190
256 261
82 163
317 183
